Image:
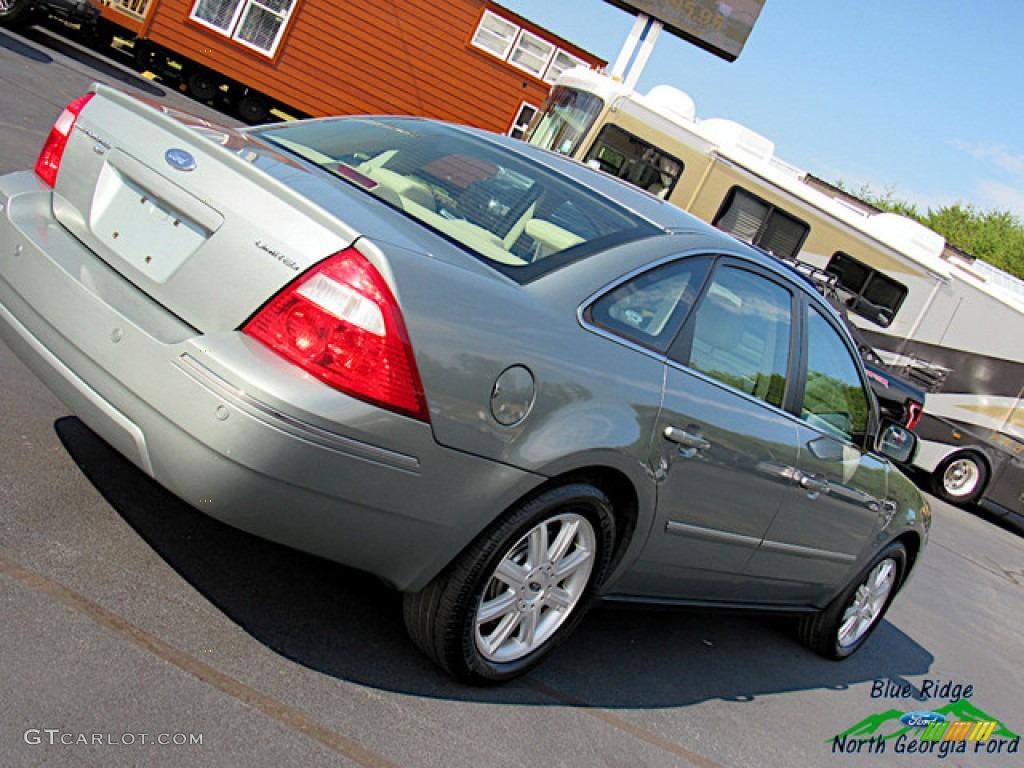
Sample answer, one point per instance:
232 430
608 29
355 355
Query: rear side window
650 308
753 220
740 334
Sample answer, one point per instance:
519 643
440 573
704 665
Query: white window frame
485 30
234 27
521 50
506 40
554 70
518 125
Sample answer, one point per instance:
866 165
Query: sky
921 99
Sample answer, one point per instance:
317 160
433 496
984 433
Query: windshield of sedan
507 209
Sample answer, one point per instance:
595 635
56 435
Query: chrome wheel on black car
14 11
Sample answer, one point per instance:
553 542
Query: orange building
469 61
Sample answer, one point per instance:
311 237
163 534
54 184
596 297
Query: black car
898 399
14 12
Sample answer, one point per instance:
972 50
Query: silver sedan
503 382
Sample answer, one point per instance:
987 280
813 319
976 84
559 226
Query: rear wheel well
619 490
912 543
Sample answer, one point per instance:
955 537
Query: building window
758 222
560 62
495 35
866 291
531 53
522 49
256 24
522 122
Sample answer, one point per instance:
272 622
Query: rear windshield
509 210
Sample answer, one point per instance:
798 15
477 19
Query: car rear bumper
229 427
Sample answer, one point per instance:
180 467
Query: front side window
866 291
620 153
650 308
257 24
753 220
835 400
740 334
565 118
520 216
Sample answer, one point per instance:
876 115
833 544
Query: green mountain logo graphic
887 724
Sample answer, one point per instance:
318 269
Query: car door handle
686 439
814 484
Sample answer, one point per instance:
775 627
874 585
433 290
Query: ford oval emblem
921 719
180 160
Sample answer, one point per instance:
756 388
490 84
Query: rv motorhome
950 323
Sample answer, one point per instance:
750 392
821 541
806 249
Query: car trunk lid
206 221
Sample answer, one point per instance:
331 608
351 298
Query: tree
993 236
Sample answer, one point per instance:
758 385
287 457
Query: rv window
756 221
866 291
564 120
622 154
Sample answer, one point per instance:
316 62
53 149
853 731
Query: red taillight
340 322
53 150
914 412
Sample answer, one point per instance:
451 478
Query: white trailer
951 323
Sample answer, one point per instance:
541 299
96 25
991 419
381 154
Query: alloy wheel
868 603
535 587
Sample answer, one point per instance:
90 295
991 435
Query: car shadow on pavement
58 43
348 625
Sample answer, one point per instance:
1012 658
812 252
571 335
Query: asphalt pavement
136 631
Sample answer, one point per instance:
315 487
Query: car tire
960 478
15 12
519 589
842 628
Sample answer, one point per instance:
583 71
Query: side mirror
896 443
